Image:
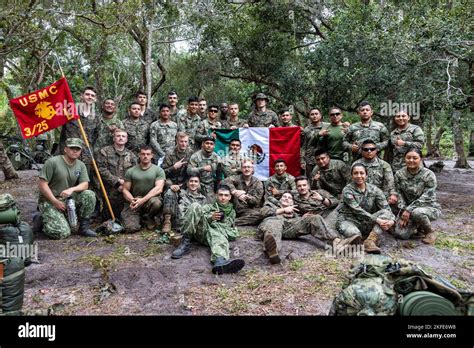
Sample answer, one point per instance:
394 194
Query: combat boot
271 248
222 265
166 224
37 223
183 249
150 223
430 236
84 228
370 244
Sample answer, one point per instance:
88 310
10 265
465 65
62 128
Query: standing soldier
329 174
363 130
190 122
233 121
175 166
261 116
203 108
137 129
62 177
6 165
286 119
163 133
173 103
279 182
142 189
210 123
146 113
311 136
212 225
113 162
108 124
205 164
247 192
223 111
333 136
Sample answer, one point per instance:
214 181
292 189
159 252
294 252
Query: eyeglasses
335 114
213 111
369 149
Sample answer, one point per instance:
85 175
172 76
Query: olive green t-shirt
143 180
334 142
60 175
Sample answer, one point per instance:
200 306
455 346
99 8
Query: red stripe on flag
285 144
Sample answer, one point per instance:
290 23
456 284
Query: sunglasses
213 111
369 149
335 114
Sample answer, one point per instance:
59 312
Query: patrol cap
261 96
74 142
208 138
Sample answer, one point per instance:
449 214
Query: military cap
261 96
74 142
208 138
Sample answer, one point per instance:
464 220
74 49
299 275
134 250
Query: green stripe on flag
223 138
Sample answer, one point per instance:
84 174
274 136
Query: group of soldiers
162 169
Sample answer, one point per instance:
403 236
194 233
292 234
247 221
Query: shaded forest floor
134 275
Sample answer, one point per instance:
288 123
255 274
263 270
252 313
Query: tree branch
162 80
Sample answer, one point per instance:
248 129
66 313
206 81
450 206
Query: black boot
183 249
222 265
84 228
37 223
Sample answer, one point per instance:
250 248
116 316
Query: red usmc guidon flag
45 109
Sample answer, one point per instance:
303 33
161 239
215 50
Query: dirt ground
134 275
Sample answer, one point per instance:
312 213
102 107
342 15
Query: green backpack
9 212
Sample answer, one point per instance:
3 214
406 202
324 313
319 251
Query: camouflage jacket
203 129
173 176
232 164
362 205
311 205
113 164
310 141
379 173
162 137
187 198
254 190
285 182
413 136
332 179
138 133
263 119
149 116
71 130
357 133
189 124
226 124
105 136
416 190
196 163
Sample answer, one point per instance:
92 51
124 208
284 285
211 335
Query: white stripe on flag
258 139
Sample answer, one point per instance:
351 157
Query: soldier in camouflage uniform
279 182
146 114
332 136
233 122
173 103
142 189
313 201
286 119
365 210
209 123
189 122
175 166
232 163
212 225
113 161
416 188
163 133
138 130
311 137
205 164
404 137
247 192
108 124
363 130
203 108
379 172
329 174
62 177
261 116
6 166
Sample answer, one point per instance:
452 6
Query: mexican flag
264 146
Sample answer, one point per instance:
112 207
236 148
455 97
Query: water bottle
71 212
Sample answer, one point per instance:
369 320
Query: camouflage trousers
250 217
131 218
171 207
419 219
212 234
55 222
281 228
208 191
6 165
349 226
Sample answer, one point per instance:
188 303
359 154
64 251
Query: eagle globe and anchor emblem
45 110
255 152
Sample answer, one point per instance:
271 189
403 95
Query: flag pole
94 164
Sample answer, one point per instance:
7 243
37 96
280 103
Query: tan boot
429 238
271 248
370 244
166 224
150 223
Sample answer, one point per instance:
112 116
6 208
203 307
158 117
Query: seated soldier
313 201
212 225
329 174
232 162
279 182
247 192
142 189
61 177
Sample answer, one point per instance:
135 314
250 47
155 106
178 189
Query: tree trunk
459 142
435 148
471 144
148 63
429 138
